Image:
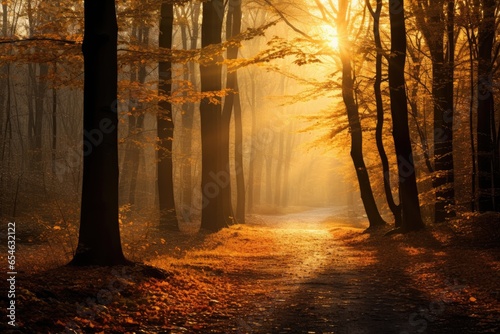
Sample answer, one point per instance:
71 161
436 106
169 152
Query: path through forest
307 272
301 277
316 284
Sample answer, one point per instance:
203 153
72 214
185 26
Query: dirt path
300 278
307 272
317 284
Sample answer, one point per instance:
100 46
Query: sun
330 36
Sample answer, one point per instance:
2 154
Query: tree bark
410 206
99 237
165 126
213 178
367 197
233 28
395 209
487 159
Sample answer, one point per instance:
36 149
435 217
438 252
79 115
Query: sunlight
330 36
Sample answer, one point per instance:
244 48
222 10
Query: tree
188 108
165 126
99 236
233 28
395 209
213 179
435 19
348 92
487 145
411 216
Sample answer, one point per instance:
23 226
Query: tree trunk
165 126
279 170
252 178
188 112
410 206
367 197
435 26
99 237
395 209
269 178
213 177
488 197
54 122
233 28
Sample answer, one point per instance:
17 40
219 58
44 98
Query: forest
250 166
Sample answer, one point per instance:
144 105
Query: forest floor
307 272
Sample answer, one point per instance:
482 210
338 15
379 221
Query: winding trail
299 279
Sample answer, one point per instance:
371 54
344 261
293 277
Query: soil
316 271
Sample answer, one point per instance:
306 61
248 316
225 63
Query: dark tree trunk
488 197
54 122
233 28
412 219
367 197
99 237
252 177
213 177
165 126
395 209
436 21
134 151
288 158
188 110
279 170
269 178
471 43
238 156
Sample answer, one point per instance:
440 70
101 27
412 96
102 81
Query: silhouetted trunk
286 176
489 196
165 126
233 28
269 179
99 237
238 161
213 177
436 21
252 177
35 114
471 43
188 112
54 122
279 170
367 197
412 219
134 150
395 209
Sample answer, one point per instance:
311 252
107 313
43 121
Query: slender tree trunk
471 44
99 237
165 126
269 179
485 110
188 112
288 158
410 206
252 184
233 28
395 209
134 150
238 156
436 21
279 170
54 122
213 177
367 197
